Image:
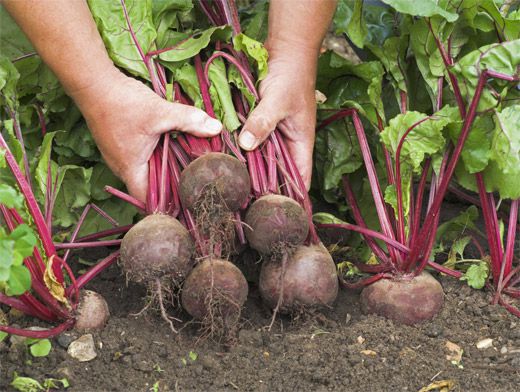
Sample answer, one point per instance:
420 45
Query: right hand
127 118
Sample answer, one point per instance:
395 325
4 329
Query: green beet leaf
110 19
421 8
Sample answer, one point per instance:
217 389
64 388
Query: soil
339 349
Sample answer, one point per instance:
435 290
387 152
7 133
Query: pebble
65 339
503 350
484 343
83 349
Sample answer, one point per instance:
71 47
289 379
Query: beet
157 246
92 313
407 301
310 279
275 220
214 284
222 172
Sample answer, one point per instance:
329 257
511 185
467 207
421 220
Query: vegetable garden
398 270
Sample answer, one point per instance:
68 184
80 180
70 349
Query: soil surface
340 349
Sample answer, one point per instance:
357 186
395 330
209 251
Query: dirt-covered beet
307 278
216 286
407 301
275 220
157 246
92 313
218 171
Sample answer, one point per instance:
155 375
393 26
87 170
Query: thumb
261 122
175 116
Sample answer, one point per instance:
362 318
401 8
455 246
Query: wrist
298 51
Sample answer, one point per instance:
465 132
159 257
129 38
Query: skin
126 118
296 31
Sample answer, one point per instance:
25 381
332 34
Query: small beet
92 313
273 220
405 301
226 174
310 279
216 284
157 246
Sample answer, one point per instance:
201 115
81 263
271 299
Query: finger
137 182
301 153
184 118
261 122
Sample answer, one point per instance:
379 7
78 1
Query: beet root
404 301
275 221
307 278
157 246
222 172
214 289
92 313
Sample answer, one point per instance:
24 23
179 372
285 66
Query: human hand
287 98
127 118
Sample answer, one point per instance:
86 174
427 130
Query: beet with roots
214 285
157 246
306 278
222 172
92 313
407 301
275 221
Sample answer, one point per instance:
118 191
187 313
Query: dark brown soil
340 350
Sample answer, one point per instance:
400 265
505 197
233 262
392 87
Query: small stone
83 349
360 339
503 350
208 362
65 339
484 343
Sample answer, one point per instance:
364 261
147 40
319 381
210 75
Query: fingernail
212 125
247 140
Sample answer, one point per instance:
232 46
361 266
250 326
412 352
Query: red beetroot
92 313
306 278
275 220
226 174
406 301
157 246
214 285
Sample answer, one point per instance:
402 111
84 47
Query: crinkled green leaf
421 8
426 139
427 56
10 196
26 384
192 46
6 256
186 76
457 226
392 55
503 58
19 280
255 51
357 28
477 148
476 275
8 80
101 177
166 16
254 20
24 242
506 140
337 153
221 93
235 78
112 25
